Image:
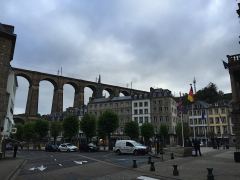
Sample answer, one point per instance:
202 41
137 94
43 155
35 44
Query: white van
129 146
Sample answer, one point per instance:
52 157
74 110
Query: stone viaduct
58 82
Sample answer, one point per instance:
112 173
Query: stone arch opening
68 95
124 93
21 95
89 92
46 89
107 92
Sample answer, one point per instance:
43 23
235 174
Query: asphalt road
89 165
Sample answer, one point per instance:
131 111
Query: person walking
198 148
15 150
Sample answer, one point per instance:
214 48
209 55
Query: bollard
210 174
175 170
152 167
149 159
134 163
172 156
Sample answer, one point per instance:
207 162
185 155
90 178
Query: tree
41 128
210 94
70 127
88 126
19 133
29 132
55 129
186 131
163 132
131 129
147 131
108 123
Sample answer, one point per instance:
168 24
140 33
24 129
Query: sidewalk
9 166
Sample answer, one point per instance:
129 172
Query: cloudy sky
151 43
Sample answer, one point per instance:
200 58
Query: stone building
163 109
122 106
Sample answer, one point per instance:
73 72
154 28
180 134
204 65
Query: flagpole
182 129
182 124
194 134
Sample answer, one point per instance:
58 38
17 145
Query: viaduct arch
34 78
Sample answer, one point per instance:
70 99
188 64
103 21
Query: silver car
67 147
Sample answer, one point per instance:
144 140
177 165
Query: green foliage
163 130
70 127
209 94
41 128
88 125
147 131
108 122
29 131
55 129
186 130
131 129
19 134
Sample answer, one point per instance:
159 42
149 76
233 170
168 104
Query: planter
237 156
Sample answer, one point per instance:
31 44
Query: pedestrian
198 148
195 147
15 150
218 144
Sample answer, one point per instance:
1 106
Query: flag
190 95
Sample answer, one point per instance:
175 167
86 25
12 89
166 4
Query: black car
91 147
51 147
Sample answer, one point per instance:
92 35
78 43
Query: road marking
42 168
146 178
60 164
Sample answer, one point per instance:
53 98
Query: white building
11 90
141 111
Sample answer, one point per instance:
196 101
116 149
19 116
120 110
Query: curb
14 172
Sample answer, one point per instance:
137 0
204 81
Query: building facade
122 106
11 90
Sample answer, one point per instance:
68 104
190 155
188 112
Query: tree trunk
109 142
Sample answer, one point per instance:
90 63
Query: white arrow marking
84 161
42 168
32 169
78 162
60 164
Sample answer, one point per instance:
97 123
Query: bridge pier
32 100
57 102
79 97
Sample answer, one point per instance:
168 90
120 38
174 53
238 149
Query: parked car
129 146
67 147
90 147
51 147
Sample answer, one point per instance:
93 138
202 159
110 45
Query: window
136 119
211 120
146 119
145 103
160 109
140 111
216 111
167 119
210 111
116 104
135 111
191 121
155 119
140 104
140 119
166 109
129 144
223 119
135 104
160 102
223 110
145 111
217 120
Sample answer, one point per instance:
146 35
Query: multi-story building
11 90
163 109
141 109
122 106
219 119
197 115
208 121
